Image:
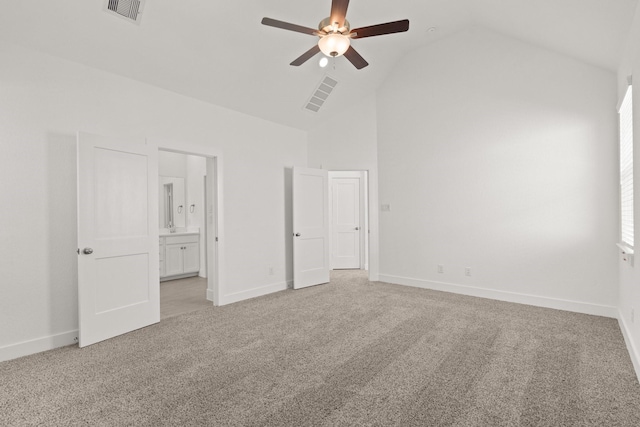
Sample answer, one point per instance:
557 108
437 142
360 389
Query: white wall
502 157
44 101
349 142
172 164
630 275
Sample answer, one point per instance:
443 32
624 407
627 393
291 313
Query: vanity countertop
164 232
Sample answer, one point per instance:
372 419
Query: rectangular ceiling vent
131 10
320 95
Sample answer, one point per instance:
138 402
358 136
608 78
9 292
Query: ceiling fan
335 34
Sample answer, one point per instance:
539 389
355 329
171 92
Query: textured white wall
172 164
349 142
630 275
44 101
502 157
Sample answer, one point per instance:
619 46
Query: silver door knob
297 234
357 228
87 251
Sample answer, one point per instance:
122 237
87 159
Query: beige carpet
349 353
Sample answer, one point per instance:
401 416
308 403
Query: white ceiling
217 51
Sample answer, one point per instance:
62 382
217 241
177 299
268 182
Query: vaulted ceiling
217 51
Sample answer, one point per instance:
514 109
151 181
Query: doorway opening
349 220
187 197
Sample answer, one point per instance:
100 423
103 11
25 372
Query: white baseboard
538 301
252 293
631 347
25 348
209 295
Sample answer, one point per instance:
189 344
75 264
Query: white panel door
345 225
310 227
118 262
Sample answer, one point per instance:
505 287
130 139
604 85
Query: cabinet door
173 259
191 257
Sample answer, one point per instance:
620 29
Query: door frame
365 241
213 219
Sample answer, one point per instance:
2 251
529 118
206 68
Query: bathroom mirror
172 202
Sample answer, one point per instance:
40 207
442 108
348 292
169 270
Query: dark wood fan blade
381 29
355 58
287 26
339 11
306 56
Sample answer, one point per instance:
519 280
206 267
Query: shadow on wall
62 228
288 226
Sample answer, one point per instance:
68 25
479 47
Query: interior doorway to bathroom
187 212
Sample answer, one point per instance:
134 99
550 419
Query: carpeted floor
350 353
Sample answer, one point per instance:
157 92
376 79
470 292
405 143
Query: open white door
310 227
118 261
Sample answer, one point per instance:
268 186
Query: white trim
631 347
25 348
535 300
255 292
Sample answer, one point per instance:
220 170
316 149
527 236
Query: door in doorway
310 227
118 262
345 220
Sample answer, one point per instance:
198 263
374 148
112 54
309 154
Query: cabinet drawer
172 240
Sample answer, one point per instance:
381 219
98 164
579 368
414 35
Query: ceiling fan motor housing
328 27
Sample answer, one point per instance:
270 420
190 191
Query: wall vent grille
320 94
130 10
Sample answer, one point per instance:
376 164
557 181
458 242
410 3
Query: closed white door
310 227
118 262
345 223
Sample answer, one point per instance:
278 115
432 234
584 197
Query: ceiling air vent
130 10
321 94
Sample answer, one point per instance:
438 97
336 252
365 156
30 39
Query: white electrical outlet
440 268
467 271
271 273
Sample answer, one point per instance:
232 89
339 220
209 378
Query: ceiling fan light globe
334 44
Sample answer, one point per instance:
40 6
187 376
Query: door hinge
216 238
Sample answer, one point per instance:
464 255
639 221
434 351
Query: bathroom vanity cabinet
179 256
